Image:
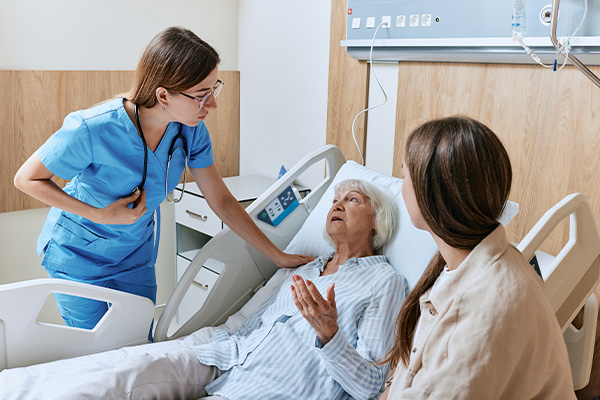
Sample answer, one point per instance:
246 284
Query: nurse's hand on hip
119 212
35 179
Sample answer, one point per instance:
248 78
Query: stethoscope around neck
172 150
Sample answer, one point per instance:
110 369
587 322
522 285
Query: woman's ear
162 96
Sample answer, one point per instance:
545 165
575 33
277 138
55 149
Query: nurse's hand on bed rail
292 260
119 212
321 314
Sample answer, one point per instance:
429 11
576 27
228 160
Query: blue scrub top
100 151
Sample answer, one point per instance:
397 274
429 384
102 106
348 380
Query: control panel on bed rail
280 207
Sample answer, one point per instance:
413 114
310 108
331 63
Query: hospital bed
569 278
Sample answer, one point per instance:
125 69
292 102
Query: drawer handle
196 215
200 285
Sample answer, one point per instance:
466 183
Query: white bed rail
571 287
568 288
24 341
245 268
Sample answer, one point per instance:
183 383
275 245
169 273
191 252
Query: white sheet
166 370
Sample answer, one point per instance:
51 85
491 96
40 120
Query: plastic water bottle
519 20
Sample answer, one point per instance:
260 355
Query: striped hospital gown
276 354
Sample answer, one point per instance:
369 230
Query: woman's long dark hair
461 176
175 59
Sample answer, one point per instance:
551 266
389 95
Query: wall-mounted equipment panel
467 30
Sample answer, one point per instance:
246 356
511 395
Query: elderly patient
319 336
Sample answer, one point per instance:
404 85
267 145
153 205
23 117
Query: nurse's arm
34 179
231 212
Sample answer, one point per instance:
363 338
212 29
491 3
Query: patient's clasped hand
319 336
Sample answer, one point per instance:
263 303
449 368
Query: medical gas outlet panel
466 30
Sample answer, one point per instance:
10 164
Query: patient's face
410 199
350 216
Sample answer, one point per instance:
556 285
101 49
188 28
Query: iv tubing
570 56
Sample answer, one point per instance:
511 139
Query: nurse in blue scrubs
99 231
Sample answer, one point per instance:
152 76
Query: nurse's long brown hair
461 176
175 59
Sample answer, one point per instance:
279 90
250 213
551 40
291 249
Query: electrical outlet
386 21
546 15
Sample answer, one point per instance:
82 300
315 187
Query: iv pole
572 58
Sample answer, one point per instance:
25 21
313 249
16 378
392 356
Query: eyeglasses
202 99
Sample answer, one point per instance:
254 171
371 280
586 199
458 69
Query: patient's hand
321 314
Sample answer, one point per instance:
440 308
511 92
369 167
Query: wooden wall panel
549 123
34 104
348 90
224 125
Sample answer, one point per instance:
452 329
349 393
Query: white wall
381 121
97 35
107 34
284 64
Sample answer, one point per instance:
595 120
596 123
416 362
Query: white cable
585 10
565 46
530 52
362 159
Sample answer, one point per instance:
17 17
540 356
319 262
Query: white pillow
410 249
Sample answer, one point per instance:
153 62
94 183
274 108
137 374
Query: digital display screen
279 208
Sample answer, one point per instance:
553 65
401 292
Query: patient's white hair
384 207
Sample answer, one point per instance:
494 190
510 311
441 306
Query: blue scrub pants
85 313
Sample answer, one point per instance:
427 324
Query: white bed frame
570 279
24 341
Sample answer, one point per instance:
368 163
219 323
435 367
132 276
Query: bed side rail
574 273
570 278
281 237
244 267
24 341
334 161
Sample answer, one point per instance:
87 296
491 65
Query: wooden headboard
34 104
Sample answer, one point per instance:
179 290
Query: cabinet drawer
197 293
194 212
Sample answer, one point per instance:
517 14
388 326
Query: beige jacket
487 333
